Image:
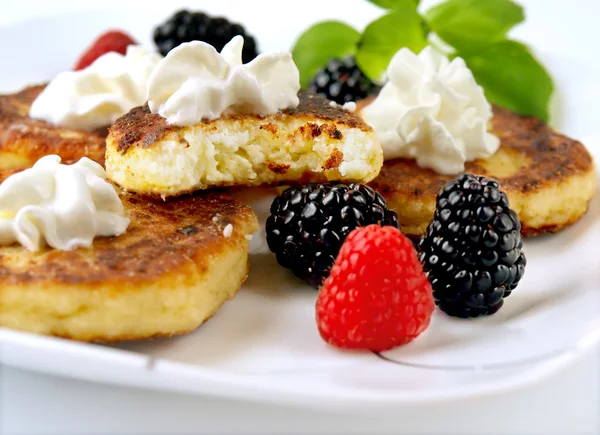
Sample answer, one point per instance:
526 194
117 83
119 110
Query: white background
567 404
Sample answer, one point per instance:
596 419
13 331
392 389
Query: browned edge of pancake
306 178
33 139
162 237
552 158
103 339
526 231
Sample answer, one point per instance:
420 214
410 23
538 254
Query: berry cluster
377 293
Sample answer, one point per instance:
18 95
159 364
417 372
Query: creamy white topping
98 95
63 206
432 110
350 106
194 83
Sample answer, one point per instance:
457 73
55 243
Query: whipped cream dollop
98 95
432 110
194 82
63 206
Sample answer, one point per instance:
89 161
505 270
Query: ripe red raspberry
113 40
377 296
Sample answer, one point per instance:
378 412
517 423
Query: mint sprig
473 23
320 43
512 77
475 30
402 27
391 4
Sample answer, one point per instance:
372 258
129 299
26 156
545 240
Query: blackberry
472 250
342 81
308 225
186 26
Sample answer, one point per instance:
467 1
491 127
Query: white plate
264 345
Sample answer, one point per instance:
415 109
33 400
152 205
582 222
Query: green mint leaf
512 77
473 23
320 43
391 4
402 27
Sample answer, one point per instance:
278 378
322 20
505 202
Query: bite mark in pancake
314 141
140 128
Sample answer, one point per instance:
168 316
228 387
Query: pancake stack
186 250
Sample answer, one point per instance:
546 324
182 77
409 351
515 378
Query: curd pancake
549 178
176 264
316 141
24 140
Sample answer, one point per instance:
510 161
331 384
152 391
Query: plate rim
162 374
157 372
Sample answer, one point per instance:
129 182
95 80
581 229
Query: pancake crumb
350 106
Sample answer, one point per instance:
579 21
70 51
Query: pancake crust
166 275
140 128
316 141
23 140
548 177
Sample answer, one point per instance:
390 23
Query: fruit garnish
342 81
377 296
472 251
308 225
113 40
475 30
187 26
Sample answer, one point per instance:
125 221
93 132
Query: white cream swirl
98 95
63 206
432 110
194 83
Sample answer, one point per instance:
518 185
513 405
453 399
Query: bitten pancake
317 141
549 178
23 141
172 269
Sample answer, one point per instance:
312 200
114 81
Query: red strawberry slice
113 40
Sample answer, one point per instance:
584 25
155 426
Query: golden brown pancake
548 177
23 140
171 270
316 141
